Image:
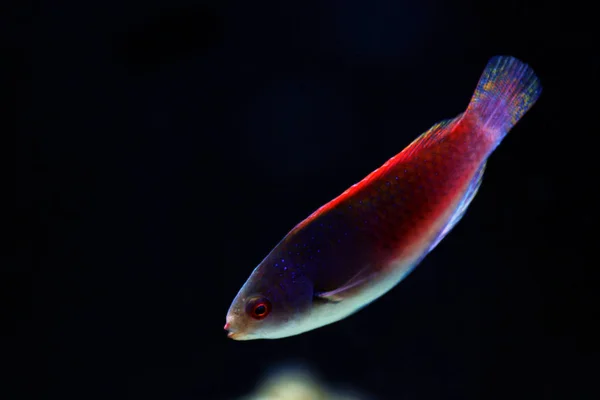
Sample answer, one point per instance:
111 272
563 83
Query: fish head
270 305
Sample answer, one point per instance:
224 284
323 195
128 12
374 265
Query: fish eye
259 308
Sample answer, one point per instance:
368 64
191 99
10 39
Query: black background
164 147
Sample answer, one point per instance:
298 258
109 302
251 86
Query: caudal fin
506 90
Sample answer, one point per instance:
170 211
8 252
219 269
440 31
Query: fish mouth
232 334
237 336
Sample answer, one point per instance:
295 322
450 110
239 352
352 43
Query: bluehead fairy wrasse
364 242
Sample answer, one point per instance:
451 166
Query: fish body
361 244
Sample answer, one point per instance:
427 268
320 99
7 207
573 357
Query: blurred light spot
297 383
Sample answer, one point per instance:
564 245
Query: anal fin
462 206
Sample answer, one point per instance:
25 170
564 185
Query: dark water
165 147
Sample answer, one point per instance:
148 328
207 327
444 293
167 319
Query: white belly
329 312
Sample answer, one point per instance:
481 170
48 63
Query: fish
361 244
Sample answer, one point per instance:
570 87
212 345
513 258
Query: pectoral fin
344 291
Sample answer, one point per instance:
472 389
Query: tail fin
506 90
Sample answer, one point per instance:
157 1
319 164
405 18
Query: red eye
260 309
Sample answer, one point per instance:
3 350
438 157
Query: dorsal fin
432 136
